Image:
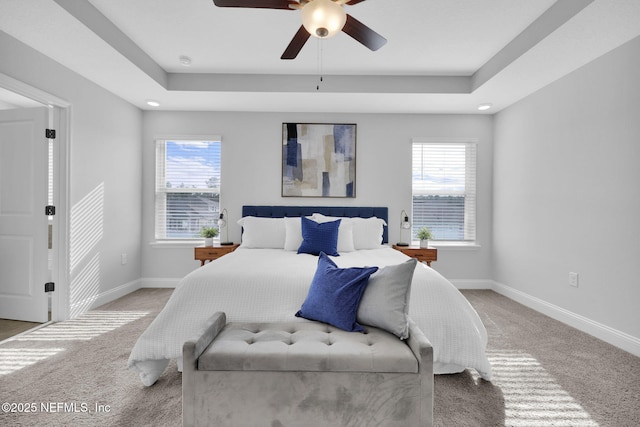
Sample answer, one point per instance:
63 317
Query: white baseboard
156 282
605 333
92 302
104 297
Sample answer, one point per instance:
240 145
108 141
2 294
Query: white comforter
269 285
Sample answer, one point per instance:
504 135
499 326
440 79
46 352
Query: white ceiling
443 56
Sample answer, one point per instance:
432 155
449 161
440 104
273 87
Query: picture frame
319 160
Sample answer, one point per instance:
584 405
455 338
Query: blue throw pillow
335 293
319 237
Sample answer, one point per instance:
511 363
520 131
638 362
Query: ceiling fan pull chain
319 62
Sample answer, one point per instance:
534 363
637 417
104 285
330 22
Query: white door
23 223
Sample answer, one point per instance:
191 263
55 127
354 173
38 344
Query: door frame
60 111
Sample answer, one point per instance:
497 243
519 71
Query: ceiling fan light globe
323 18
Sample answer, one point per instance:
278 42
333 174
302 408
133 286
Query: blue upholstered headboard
348 211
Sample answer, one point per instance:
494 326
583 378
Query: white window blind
444 188
187 187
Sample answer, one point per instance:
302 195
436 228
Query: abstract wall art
318 160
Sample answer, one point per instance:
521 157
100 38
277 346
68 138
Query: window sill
173 244
469 246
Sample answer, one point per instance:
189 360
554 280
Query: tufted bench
305 374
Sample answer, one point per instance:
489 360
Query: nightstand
421 254
209 253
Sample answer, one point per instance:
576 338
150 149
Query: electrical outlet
123 259
573 279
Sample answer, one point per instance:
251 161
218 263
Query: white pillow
367 232
262 233
345 231
293 234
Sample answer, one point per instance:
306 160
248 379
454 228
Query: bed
267 280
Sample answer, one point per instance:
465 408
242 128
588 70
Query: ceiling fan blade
352 2
296 44
256 4
363 34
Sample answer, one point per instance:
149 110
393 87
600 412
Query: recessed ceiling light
185 61
153 103
484 107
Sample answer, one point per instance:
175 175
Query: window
444 188
187 187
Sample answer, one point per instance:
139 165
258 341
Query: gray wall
104 175
251 174
567 192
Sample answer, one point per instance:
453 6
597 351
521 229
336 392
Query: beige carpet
546 374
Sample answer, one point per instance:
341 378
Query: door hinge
49 287
49 210
50 133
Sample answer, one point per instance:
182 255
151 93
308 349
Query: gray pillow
385 303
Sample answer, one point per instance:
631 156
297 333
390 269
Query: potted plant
424 234
208 233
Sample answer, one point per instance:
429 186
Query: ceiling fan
320 18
